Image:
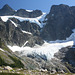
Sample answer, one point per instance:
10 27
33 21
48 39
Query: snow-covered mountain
40 36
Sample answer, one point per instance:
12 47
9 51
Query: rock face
24 13
27 26
30 27
14 35
7 10
61 21
67 56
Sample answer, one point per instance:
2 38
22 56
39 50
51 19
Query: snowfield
46 49
31 20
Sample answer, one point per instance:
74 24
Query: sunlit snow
26 32
46 49
2 49
31 20
29 10
25 43
14 23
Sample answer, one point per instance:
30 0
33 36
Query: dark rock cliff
61 21
7 10
14 35
67 57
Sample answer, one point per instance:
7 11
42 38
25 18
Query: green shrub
2 62
17 63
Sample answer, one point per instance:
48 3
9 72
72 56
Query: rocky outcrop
30 27
24 13
67 57
15 36
60 22
7 10
27 26
2 29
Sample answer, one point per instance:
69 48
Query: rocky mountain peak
60 23
7 7
6 10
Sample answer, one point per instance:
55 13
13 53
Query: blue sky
43 5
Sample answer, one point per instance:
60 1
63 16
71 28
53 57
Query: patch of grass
17 63
2 62
4 47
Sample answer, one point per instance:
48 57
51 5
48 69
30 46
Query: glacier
47 49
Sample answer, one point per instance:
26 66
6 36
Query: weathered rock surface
61 21
24 13
7 10
67 57
14 35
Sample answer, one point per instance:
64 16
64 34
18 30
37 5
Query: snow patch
46 49
31 20
72 37
25 43
29 10
2 49
42 18
26 32
14 23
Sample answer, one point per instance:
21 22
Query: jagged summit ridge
6 7
7 10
